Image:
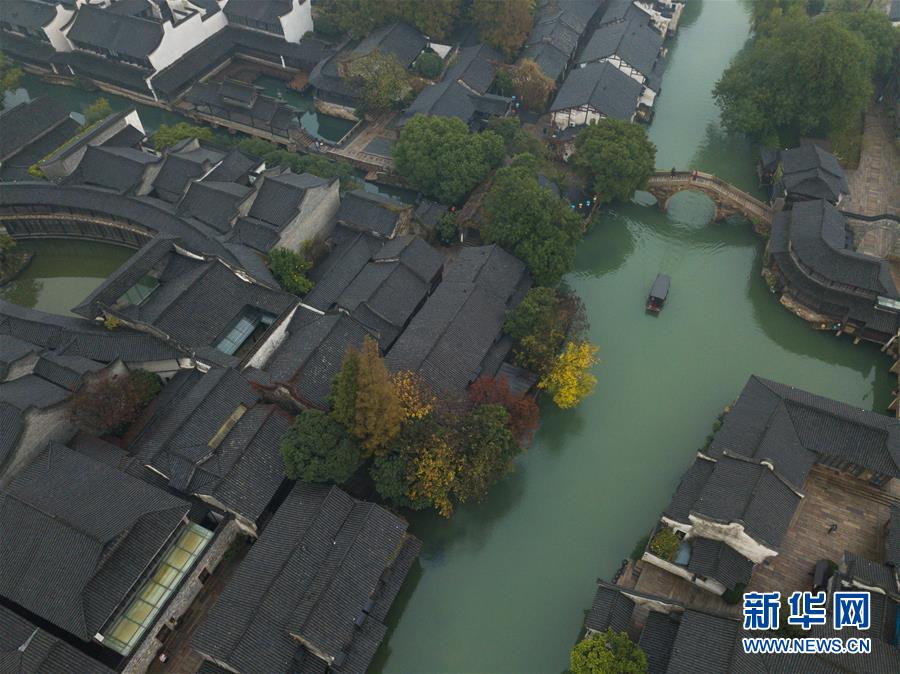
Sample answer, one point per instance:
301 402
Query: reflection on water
62 273
321 126
505 584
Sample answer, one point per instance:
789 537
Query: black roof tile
304 586
75 535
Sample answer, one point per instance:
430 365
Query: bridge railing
710 180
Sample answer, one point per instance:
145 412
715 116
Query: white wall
54 29
298 22
315 217
180 39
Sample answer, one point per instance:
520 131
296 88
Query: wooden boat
658 293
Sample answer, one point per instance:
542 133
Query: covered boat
658 293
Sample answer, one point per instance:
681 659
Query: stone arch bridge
729 200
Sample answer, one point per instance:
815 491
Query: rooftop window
246 331
137 293
127 629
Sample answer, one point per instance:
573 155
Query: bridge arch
728 199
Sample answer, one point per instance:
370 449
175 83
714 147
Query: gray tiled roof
869 573
244 470
80 337
634 42
196 301
601 86
26 122
213 202
31 391
129 35
269 11
705 644
315 586
26 13
117 168
793 428
558 27
657 640
278 199
368 212
892 539
611 610
311 355
75 535
810 172
12 424
718 560
740 490
450 337
818 236
399 39
25 648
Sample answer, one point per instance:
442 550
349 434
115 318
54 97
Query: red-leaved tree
524 414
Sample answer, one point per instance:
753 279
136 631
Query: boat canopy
660 289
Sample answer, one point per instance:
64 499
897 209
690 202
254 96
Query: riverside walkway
729 200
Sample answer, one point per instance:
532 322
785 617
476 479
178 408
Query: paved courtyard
860 512
875 184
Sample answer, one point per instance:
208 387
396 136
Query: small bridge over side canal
729 200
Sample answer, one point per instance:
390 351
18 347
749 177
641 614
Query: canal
502 586
62 273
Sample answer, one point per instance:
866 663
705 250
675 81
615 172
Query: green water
321 126
503 586
62 273
79 99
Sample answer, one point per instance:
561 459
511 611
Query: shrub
316 448
446 230
429 65
665 544
167 135
289 268
96 111
608 653
112 323
110 404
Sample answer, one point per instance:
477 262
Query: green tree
878 33
167 135
616 156
289 269
537 330
10 76
315 164
532 222
759 93
765 15
488 449
608 653
380 78
96 111
429 65
446 230
7 243
378 412
358 18
438 156
504 24
344 388
316 448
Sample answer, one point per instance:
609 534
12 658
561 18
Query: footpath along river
503 585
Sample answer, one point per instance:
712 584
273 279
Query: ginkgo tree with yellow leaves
569 379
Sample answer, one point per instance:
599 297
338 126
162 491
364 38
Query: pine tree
343 390
378 413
